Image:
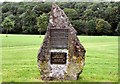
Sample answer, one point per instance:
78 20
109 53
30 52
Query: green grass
19 58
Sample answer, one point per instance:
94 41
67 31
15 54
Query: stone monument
61 56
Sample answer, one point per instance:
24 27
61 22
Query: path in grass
19 58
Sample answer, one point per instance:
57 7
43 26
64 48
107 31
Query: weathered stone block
61 56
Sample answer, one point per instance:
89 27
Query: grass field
19 58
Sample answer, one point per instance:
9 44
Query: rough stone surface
75 52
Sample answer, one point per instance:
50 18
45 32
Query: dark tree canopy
7 24
88 18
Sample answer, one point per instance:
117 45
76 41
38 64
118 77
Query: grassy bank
19 58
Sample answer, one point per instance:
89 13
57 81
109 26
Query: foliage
42 22
80 7
102 27
82 15
118 28
80 26
8 24
71 13
91 26
88 14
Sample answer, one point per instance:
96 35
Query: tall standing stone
61 56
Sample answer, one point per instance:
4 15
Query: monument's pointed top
58 18
54 4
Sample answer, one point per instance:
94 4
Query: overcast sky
55 0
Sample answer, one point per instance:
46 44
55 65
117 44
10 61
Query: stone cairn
61 56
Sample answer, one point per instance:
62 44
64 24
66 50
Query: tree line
87 18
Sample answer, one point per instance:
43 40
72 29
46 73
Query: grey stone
61 56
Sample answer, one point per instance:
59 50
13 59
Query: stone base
68 71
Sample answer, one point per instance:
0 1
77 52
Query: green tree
91 26
112 15
28 20
80 26
80 14
103 27
118 28
88 14
71 13
80 7
7 24
42 22
6 7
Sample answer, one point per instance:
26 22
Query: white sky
52 0
11 0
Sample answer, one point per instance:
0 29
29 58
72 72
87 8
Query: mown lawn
19 58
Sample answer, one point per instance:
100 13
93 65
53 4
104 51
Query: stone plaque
58 58
59 38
